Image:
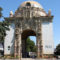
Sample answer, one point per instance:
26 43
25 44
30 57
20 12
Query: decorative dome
32 3
25 9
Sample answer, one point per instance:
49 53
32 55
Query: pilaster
15 47
39 40
19 46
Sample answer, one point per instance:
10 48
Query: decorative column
19 46
15 47
38 46
39 40
15 43
19 42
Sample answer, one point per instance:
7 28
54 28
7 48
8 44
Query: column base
48 56
9 56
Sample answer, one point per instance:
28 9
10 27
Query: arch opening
27 47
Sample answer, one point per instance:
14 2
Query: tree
57 50
1 12
30 46
3 27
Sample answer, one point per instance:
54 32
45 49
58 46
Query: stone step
37 59
31 59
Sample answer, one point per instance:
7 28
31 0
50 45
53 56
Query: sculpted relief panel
28 24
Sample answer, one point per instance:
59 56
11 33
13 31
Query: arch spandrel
29 24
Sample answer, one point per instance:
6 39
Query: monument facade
29 19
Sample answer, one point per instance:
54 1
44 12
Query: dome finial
11 14
49 12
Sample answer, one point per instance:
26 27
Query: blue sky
54 5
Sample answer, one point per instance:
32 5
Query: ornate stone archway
28 30
32 18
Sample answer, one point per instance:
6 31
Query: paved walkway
31 59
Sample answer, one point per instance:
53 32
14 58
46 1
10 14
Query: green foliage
30 45
3 27
57 50
1 12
